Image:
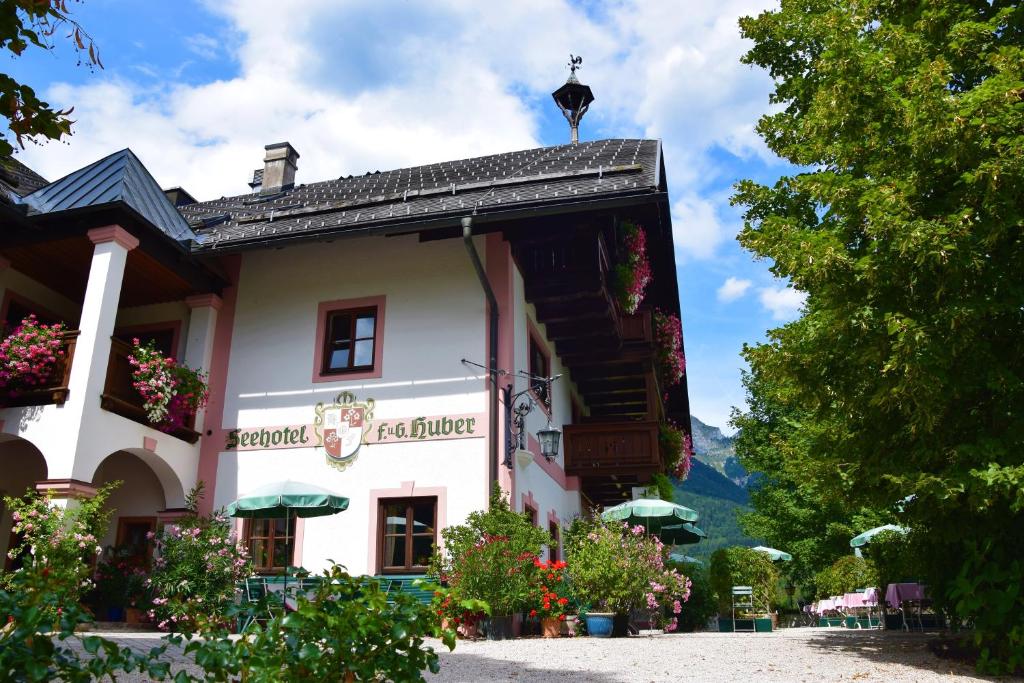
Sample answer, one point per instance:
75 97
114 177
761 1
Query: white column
199 346
92 351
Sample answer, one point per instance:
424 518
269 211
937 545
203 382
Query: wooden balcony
57 392
120 396
612 448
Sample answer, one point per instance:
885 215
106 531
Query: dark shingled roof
118 177
588 170
18 179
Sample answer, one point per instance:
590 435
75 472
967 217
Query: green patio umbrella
680 534
652 513
776 555
287 499
865 538
676 557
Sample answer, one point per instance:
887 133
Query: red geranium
551 598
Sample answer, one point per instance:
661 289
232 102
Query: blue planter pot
115 614
599 624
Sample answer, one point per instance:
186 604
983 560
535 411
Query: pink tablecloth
825 605
897 593
869 598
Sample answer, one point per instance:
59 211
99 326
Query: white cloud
783 302
733 288
377 84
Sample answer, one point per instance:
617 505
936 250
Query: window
349 340
164 339
132 535
530 512
407 533
540 366
18 308
270 541
553 551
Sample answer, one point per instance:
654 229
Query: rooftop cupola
279 166
573 98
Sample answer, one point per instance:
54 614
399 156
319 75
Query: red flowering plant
633 274
668 338
551 594
171 393
31 356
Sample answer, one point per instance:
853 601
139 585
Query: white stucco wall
434 317
140 493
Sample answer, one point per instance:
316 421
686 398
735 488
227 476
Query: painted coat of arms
341 426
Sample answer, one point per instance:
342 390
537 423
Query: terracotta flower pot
133 615
551 627
469 629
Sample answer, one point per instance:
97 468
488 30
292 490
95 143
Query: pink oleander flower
668 336
634 274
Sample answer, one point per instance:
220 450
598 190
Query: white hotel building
397 293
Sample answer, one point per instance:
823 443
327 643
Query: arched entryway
21 466
135 504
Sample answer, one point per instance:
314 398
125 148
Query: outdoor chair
743 601
259 600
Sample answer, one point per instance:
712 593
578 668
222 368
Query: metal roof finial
573 98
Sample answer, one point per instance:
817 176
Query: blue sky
197 88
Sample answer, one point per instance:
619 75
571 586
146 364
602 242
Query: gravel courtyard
805 654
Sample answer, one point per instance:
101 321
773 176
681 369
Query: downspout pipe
492 361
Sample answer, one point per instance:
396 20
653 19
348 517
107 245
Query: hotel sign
341 428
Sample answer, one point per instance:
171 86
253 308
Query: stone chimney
279 166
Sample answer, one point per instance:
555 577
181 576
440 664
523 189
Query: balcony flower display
31 356
634 274
677 449
172 393
668 338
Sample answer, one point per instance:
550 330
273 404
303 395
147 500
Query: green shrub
616 568
741 566
346 628
63 540
846 575
702 605
893 558
490 557
197 569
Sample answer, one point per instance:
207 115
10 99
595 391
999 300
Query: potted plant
463 615
615 568
490 559
668 341
551 597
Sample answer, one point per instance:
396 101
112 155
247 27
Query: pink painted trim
500 273
213 438
552 468
173 325
407 489
149 443
113 233
553 517
530 502
298 541
66 488
325 307
202 300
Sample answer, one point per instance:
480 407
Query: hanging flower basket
171 393
676 448
668 340
31 356
633 274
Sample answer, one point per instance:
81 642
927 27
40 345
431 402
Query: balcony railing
606 448
57 392
120 396
637 328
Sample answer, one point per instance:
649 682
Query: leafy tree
906 234
25 23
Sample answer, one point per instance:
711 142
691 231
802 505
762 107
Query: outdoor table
861 601
898 595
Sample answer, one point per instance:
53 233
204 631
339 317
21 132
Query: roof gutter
492 353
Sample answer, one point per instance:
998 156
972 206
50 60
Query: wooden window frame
533 513
409 502
327 309
272 539
172 326
534 340
122 530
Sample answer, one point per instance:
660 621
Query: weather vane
575 63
